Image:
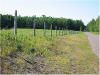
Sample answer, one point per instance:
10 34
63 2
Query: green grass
74 53
24 41
66 54
95 33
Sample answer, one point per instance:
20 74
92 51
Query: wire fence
58 31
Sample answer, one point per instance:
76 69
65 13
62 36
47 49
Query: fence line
51 30
62 31
0 22
34 33
58 31
15 23
44 29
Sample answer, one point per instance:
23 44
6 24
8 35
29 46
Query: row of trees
7 21
93 25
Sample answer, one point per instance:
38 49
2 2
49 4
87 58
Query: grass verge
97 33
68 54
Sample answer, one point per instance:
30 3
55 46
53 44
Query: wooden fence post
34 26
15 23
73 31
51 30
44 29
56 30
62 31
69 31
0 21
65 31
59 31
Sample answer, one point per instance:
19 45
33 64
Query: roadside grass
97 33
23 41
68 54
74 55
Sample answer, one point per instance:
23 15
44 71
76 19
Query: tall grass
97 33
24 41
66 54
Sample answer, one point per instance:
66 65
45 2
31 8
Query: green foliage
63 54
24 41
9 43
93 25
7 21
97 33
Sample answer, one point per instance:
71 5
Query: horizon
84 10
49 16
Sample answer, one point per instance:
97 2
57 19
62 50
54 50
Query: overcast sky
74 9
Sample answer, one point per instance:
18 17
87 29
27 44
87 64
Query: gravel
94 41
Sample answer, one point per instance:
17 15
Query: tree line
7 21
93 25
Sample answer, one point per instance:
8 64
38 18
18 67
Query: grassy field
95 33
68 54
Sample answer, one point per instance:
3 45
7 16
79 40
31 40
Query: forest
7 21
93 25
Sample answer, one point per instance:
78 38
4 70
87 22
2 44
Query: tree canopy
7 21
93 25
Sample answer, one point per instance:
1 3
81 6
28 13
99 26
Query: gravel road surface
94 41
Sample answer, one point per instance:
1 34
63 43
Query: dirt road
94 41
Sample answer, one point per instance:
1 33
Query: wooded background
93 25
7 21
